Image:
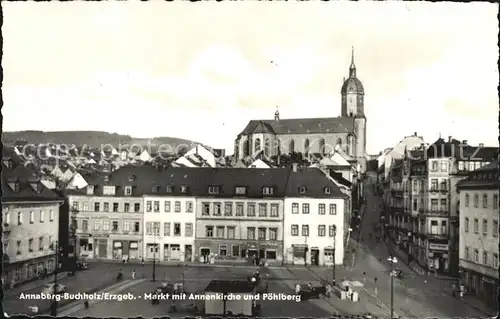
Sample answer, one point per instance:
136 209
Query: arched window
257 144
267 146
322 150
246 148
292 146
306 146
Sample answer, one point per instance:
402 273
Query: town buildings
30 224
478 211
312 135
313 219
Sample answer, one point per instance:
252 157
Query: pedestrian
142 261
133 274
297 289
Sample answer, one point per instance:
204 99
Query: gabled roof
315 182
302 126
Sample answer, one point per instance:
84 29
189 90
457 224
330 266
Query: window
128 190
444 185
485 227
251 210
231 232
251 233
126 226
267 191
40 243
170 188
236 250
239 209
495 261
209 231
184 189
137 207
19 218
85 225
302 190
273 233
495 201
105 225
188 232
18 247
177 206
476 200
434 165
332 229
115 225
434 184
126 207
295 230
333 209
476 255
466 200
32 217
155 189
213 190
189 207
131 178
217 209
149 228
295 208
106 207
321 230
220 231
90 189
137 227
115 207
415 204
466 252
228 209
321 209
485 258
156 228
305 230
51 215
444 204
97 224
223 250
327 190
42 217
495 228
149 206
30 245
262 210
166 207
108 190
177 229
305 208
476 226
485 200
444 166
434 204
166 229
156 206
274 210
461 166
240 190
205 211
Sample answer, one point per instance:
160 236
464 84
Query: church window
292 146
246 148
257 144
306 146
267 147
322 150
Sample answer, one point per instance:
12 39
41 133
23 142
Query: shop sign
438 246
134 245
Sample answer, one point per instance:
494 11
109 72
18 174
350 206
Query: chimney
481 145
450 138
294 166
464 142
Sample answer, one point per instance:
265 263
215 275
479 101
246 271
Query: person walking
133 274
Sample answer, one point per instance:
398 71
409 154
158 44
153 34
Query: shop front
24 271
117 250
437 257
238 250
133 251
297 254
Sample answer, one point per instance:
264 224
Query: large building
312 135
314 219
30 224
478 229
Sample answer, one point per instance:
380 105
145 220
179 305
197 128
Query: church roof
301 126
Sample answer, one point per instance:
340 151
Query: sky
201 71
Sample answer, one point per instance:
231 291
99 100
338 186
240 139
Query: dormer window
213 190
241 190
302 190
155 189
7 163
14 186
128 190
170 189
90 189
131 178
266 190
328 190
108 190
184 189
106 178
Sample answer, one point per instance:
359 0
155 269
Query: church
318 136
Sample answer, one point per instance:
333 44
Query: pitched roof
302 126
455 148
315 182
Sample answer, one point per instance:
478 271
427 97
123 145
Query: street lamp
333 257
392 261
154 254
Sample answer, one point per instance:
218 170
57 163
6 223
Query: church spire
352 68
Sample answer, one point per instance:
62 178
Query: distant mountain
90 138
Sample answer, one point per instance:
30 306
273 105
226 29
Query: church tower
353 105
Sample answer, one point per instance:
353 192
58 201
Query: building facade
478 248
313 219
30 225
312 136
169 224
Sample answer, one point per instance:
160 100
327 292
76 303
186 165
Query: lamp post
333 257
392 261
154 254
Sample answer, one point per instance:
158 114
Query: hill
90 138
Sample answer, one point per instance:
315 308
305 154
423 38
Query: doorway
205 253
262 253
188 252
315 257
175 252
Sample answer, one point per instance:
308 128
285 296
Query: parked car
82 265
48 289
398 273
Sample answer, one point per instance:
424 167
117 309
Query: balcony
7 228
